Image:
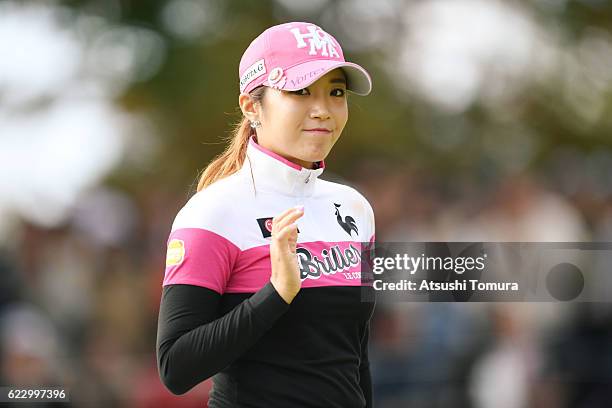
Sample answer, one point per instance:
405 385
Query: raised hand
285 271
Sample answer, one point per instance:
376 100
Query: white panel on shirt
230 208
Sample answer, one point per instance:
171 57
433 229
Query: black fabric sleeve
193 344
365 378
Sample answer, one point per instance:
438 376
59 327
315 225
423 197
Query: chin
316 154
315 158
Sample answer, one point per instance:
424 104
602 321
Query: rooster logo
348 224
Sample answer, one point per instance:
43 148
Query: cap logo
277 78
297 81
319 41
252 73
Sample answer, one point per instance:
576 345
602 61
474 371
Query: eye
301 92
338 92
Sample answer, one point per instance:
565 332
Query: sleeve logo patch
176 252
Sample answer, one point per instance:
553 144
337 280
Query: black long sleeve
365 377
193 343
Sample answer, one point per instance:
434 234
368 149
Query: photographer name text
457 285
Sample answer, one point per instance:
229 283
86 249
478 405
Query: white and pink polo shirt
221 239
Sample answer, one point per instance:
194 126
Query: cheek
341 115
279 110
289 115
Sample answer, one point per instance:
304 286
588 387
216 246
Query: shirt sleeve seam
196 283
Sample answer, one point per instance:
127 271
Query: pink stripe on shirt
207 261
320 263
212 261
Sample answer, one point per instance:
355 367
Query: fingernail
299 207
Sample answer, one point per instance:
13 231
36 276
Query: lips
318 130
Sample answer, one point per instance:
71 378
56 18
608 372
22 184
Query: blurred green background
490 120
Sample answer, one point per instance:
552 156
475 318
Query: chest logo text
331 261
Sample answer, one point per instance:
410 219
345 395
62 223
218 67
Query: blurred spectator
31 348
502 376
522 211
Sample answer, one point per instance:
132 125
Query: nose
319 109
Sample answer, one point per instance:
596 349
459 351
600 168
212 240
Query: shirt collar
273 172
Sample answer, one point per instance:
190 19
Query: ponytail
231 160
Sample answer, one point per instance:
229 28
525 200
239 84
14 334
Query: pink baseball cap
292 56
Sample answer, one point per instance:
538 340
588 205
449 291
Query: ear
249 108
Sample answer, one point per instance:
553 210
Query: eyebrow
337 81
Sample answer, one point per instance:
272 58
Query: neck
302 163
270 171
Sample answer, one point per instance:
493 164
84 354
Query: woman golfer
262 288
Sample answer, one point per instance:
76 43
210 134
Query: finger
285 223
289 218
282 215
288 212
277 220
285 233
